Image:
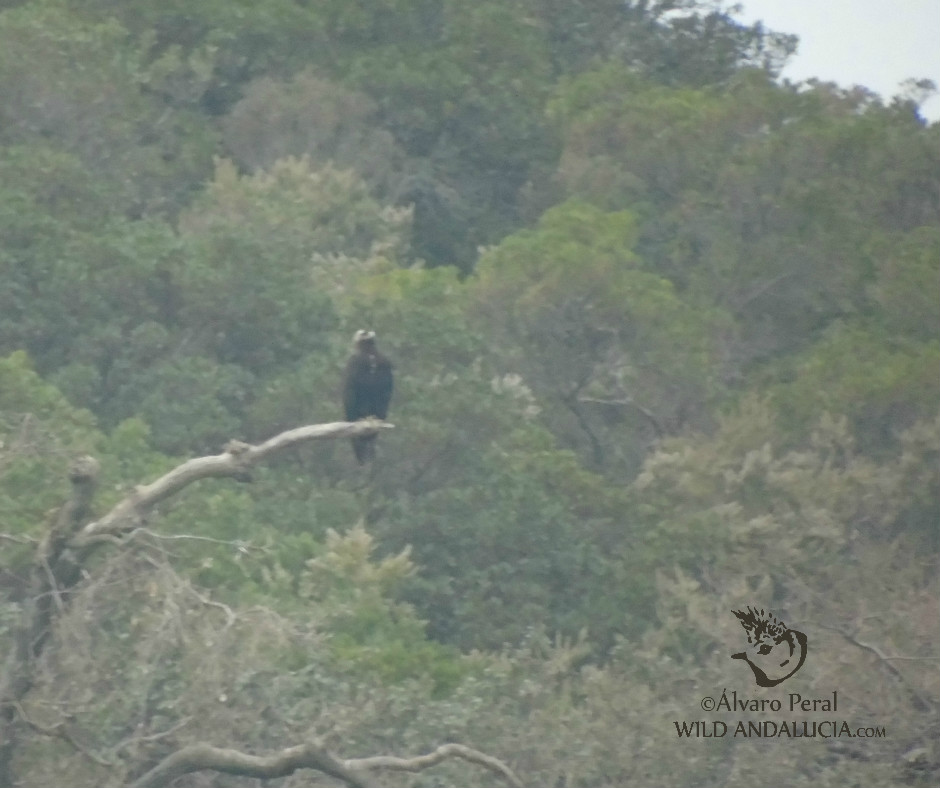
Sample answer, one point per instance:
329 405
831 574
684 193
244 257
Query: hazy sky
873 43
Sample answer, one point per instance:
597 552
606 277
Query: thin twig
59 731
20 539
884 659
239 544
230 617
132 740
628 402
53 585
442 753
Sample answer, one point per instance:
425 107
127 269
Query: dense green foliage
666 337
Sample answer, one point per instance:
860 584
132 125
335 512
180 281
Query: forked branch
235 462
354 772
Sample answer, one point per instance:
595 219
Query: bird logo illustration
773 651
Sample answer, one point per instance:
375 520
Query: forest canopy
666 336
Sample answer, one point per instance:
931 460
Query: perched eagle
367 389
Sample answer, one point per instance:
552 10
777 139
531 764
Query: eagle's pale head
363 339
773 651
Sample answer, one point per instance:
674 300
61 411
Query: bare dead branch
59 731
201 757
239 544
627 402
19 539
53 585
46 581
442 753
572 401
230 616
134 740
741 300
235 462
919 700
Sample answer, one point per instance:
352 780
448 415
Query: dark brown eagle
367 389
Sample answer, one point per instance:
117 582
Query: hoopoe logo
773 651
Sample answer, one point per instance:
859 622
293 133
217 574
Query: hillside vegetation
666 336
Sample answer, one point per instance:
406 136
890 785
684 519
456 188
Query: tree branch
239 544
59 731
234 462
199 757
442 753
134 740
571 400
19 539
628 402
919 700
758 289
51 573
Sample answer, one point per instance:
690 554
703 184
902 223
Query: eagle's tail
364 448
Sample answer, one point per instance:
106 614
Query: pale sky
874 43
